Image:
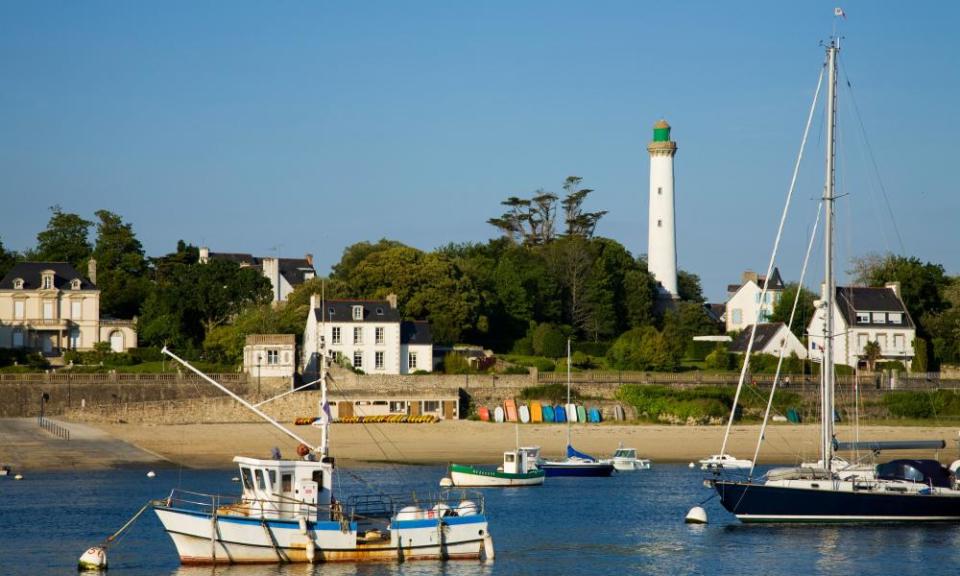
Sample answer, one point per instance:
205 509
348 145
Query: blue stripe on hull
591 470
760 503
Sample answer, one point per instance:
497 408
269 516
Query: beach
215 445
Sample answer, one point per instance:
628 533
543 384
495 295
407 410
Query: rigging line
773 257
793 313
873 160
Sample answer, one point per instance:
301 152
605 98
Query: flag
838 11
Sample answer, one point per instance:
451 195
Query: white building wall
896 343
742 307
424 354
791 344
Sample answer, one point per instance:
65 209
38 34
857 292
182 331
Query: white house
743 302
270 355
49 307
285 274
771 338
368 334
864 315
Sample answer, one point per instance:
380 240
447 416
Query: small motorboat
519 469
725 462
625 460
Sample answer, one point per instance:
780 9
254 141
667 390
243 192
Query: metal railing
53 428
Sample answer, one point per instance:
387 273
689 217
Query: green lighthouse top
661 131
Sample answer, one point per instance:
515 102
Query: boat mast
827 381
322 357
567 407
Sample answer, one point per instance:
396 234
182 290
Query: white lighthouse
662 238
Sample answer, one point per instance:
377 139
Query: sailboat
288 512
576 463
820 492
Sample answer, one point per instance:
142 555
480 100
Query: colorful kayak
536 412
498 414
571 410
548 413
484 413
581 414
524 413
559 413
511 409
618 413
595 416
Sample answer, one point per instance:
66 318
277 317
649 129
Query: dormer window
75 284
47 281
18 283
895 318
863 317
379 310
358 312
330 311
879 318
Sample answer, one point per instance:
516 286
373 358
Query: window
247 478
757 297
768 297
879 318
48 310
379 310
75 284
47 281
659 190
273 356
18 283
882 340
412 360
335 336
74 338
19 307
898 341
659 223
895 318
737 317
358 359
431 406
378 360
863 317
379 334
358 335
18 338
286 482
76 309
398 407
261 484
358 312
861 342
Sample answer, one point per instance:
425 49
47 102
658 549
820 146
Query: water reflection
345 569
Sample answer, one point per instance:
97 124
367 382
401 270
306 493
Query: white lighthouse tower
662 238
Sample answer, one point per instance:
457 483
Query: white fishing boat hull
250 540
725 462
631 464
494 479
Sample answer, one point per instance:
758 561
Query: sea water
631 523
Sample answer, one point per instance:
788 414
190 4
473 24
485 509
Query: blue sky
245 126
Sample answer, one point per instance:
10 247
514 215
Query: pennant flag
839 12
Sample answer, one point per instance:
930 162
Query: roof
853 299
765 335
416 332
270 339
776 282
342 311
32 275
715 311
296 270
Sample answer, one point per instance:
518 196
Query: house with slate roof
862 315
51 308
743 302
771 338
285 274
368 334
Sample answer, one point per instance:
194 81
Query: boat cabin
628 453
929 472
518 462
283 488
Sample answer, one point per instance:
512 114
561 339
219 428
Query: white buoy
696 515
18 477
691 465
446 482
151 474
235 479
94 558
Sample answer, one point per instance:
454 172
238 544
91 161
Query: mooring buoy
696 515
691 465
151 474
95 558
446 482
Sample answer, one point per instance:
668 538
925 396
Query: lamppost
259 362
44 397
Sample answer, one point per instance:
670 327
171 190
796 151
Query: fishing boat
519 469
903 490
576 463
626 460
289 510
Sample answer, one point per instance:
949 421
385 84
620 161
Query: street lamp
259 362
44 398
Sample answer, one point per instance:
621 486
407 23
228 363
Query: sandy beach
214 445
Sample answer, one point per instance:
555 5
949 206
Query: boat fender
442 510
467 508
696 515
488 552
94 558
303 524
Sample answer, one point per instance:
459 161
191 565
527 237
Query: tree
64 239
805 308
578 222
640 294
871 353
356 253
688 287
921 284
570 261
121 267
642 349
7 260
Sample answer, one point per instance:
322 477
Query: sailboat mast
827 381
567 407
322 358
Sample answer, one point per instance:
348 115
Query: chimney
313 302
92 271
750 275
204 254
309 258
895 286
392 299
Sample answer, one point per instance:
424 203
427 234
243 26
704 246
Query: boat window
247 478
318 478
912 474
259 476
286 482
509 457
273 478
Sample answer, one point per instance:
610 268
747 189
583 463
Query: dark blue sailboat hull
761 503
587 469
